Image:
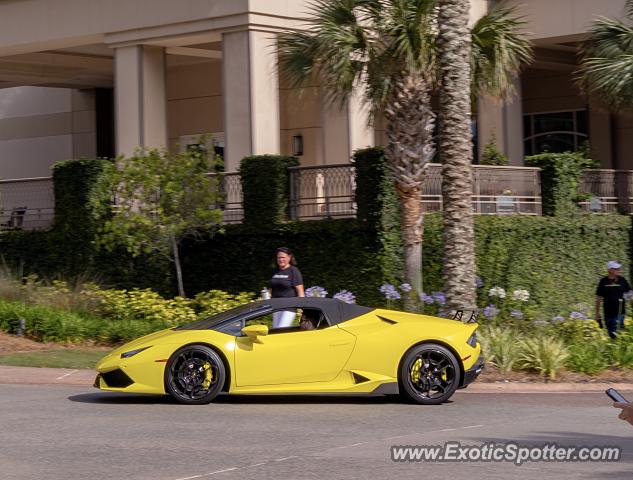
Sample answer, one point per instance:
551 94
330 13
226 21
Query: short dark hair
288 252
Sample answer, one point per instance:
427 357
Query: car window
315 316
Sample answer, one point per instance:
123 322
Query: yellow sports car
334 347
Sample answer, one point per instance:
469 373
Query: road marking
473 426
208 474
448 430
285 458
66 375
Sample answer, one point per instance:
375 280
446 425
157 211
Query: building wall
40 126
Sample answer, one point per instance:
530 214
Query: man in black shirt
610 291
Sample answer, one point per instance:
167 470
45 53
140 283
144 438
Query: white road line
357 444
447 430
285 458
473 426
256 465
66 375
208 474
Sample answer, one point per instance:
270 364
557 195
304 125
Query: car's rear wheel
429 374
194 375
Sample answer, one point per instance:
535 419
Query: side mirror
254 331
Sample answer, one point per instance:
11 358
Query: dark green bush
378 209
560 179
265 188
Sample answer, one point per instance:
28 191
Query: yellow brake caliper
208 375
415 370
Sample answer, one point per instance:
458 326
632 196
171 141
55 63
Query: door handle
340 344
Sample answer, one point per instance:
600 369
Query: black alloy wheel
194 375
429 374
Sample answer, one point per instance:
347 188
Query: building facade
103 77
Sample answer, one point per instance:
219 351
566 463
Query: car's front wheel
429 374
194 375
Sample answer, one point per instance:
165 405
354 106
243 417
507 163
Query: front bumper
473 372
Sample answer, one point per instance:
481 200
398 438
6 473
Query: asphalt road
70 432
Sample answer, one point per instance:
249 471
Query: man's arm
598 316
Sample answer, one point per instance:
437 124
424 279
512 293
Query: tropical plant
387 49
500 346
161 199
492 155
588 357
606 60
544 354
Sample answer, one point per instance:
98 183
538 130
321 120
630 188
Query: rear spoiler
463 316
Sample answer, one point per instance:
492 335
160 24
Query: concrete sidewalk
85 378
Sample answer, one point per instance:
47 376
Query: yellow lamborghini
335 348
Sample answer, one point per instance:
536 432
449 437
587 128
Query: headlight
472 341
131 353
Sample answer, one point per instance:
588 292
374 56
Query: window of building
555 132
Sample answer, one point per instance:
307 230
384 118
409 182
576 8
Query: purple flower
316 292
405 287
516 314
390 292
558 319
345 296
578 315
491 312
428 299
439 298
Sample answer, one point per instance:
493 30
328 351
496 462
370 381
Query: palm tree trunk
456 154
410 123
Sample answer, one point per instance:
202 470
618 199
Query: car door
292 357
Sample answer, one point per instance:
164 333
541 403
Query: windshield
214 320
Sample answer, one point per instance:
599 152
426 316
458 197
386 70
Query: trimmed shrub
543 354
265 188
560 179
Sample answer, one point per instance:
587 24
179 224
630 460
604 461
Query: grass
56 358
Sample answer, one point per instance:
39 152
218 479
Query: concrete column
140 100
251 96
504 120
361 135
345 129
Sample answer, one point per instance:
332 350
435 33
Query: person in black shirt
285 282
610 292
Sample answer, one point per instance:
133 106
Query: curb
85 378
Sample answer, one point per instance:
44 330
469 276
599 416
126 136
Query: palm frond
348 42
499 48
606 63
629 9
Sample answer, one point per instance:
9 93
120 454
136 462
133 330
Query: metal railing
322 192
607 190
231 194
27 203
496 190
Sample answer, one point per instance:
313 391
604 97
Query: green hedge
378 209
559 260
560 179
265 189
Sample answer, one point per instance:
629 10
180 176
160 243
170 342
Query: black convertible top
336 311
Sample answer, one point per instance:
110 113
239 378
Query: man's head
613 268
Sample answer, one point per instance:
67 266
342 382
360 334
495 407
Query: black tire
429 374
194 375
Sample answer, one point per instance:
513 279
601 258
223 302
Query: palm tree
483 60
606 61
455 146
387 48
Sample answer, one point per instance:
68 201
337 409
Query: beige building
99 77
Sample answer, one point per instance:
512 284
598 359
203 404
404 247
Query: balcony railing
496 190
27 203
322 192
608 190
328 191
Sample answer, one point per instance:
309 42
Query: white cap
613 265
